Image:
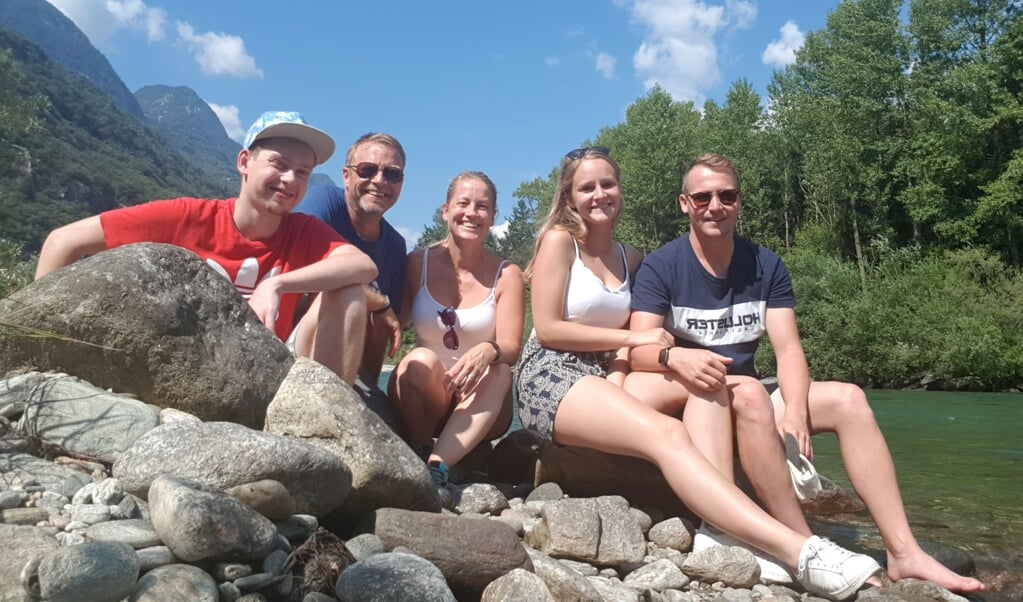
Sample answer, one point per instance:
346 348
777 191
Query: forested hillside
47 27
83 154
191 127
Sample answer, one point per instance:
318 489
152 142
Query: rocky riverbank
190 457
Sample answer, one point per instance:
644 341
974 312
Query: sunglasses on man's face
368 171
729 196
448 318
579 153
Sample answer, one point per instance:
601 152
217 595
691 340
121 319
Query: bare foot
920 565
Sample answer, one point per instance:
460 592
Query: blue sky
501 87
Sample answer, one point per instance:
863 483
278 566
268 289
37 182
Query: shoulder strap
426 259
625 261
497 276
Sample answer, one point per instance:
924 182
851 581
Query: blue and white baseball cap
290 124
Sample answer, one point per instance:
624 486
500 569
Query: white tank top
473 325
589 301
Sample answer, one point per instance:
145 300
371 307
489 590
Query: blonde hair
716 163
561 215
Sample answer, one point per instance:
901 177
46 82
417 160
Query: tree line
885 165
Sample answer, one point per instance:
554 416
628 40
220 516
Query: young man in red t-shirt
270 254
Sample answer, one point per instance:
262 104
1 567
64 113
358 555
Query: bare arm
701 369
793 374
69 243
553 262
413 269
511 313
345 266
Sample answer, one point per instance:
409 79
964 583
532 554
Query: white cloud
679 51
410 235
500 230
218 53
782 52
606 65
228 116
101 19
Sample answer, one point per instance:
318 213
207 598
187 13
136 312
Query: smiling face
275 174
595 194
369 198
470 209
716 219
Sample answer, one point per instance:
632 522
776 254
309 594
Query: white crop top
473 325
589 301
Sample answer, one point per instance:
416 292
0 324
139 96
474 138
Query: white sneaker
828 570
771 571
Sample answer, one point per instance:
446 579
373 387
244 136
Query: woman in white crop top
569 380
467 307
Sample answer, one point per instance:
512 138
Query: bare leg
842 408
417 391
378 338
707 417
762 454
599 415
475 417
333 330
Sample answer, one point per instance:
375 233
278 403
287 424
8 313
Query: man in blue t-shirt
373 175
719 294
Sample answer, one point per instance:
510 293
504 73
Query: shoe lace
827 554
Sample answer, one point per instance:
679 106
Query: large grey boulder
519 584
175 583
583 472
223 455
100 571
564 583
198 523
600 530
313 405
154 321
393 576
25 469
469 552
85 419
20 545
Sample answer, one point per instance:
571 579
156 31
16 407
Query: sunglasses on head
729 196
579 153
448 318
367 171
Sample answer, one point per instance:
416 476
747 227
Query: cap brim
322 144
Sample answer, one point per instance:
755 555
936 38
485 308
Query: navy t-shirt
388 252
726 315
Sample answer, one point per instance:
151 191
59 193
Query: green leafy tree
656 141
844 100
517 244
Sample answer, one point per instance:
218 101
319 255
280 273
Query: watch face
662 358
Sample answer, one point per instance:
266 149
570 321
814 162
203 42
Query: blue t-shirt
726 315
388 252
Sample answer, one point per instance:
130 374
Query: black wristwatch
662 357
381 310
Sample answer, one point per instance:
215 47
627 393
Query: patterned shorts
544 378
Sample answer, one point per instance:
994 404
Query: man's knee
752 405
344 301
851 403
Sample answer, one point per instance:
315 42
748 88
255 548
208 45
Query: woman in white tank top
468 307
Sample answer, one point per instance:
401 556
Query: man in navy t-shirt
719 294
373 175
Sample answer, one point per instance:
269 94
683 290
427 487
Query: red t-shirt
207 229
